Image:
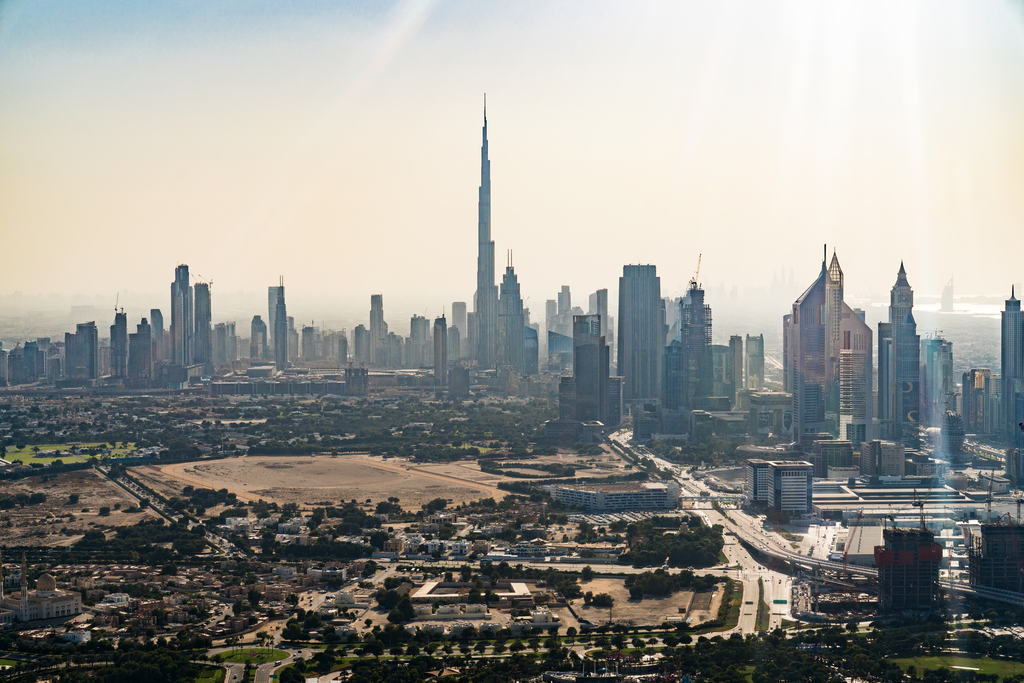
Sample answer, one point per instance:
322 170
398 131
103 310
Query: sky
338 145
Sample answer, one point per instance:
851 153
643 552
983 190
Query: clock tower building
899 365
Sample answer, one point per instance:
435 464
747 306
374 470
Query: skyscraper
1012 367
140 352
440 352
938 392
182 318
280 329
755 362
641 333
855 385
459 322
258 339
378 329
118 345
695 335
734 376
590 369
899 364
82 352
811 343
419 350
203 318
361 345
272 295
156 326
485 300
511 325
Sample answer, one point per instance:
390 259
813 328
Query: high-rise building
908 570
855 380
882 459
156 326
791 487
378 329
272 296
118 345
293 340
899 364
419 349
995 556
82 352
938 388
308 344
182 318
258 347
641 333
440 351
361 345
755 363
827 454
220 344
698 357
203 354
140 352
511 325
280 334
1012 367
461 323
814 336
485 300
590 369
672 384
531 349
734 370
977 401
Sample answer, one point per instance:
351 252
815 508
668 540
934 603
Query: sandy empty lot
648 611
48 524
329 479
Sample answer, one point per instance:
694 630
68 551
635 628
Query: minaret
485 301
24 587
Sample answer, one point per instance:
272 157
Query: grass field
258 656
212 674
983 665
7 662
27 455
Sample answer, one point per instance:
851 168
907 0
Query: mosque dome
46 583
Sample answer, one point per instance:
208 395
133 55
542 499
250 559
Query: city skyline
674 194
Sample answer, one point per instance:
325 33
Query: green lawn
211 674
983 665
27 455
7 662
259 656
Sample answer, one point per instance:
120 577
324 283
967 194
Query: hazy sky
337 144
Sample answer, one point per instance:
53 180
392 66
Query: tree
587 573
254 597
375 648
73 499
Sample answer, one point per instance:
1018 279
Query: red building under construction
908 570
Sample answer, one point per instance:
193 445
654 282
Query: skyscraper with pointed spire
1012 368
899 364
511 323
485 300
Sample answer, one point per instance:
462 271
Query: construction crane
849 540
696 273
117 300
919 504
988 502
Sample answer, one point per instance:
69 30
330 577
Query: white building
641 496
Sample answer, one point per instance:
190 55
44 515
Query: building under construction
995 556
908 570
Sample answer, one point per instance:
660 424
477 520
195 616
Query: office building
258 345
829 454
182 318
698 356
440 352
458 383
734 368
755 362
938 388
118 346
378 330
419 349
672 380
815 333
203 354
599 306
361 345
308 344
280 333
220 344
357 381
1012 367
641 333
293 340
156 326
511 324
855 377
82 352
760 482
590 369
460 322
979 401
995 556
1015 467
882 459
531 349
791 486
908 570
140 352
663 495
899 365
485 299
272 296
